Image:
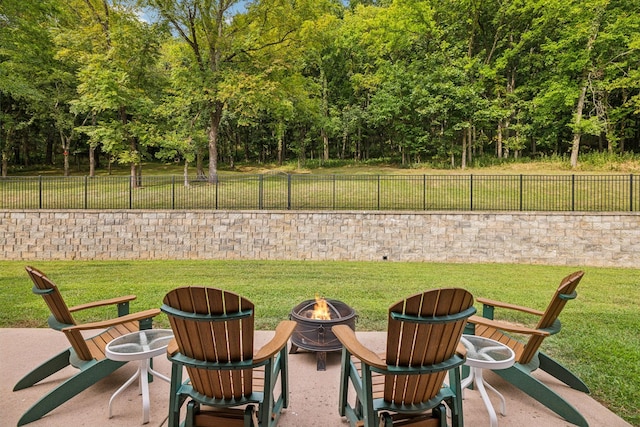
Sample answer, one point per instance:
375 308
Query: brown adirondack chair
528 356
214 333
406 385
86 354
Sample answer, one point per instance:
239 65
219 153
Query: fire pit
313 330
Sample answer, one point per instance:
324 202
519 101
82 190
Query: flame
321 309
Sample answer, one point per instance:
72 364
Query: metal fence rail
611 193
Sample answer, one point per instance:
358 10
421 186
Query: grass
599 342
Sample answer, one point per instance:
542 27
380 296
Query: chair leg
250 416
369 413
266 412
89 375
175 400
558 371
440 412
193 408
457 419
522 379
49 367
349 375
344 382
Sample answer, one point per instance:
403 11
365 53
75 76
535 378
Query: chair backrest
565 292
424 330
214 326
60 314
549 320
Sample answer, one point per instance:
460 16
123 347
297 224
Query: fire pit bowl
315 334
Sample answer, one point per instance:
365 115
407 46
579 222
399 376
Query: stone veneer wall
553 238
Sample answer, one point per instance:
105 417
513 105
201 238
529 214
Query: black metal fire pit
315 334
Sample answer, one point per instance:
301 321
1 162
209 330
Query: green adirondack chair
406 385
214 333
85 354
528 356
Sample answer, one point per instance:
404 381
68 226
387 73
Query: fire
320 309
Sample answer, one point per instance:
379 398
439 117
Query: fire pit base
314 334
321 357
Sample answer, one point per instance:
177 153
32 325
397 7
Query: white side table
485 353
142 346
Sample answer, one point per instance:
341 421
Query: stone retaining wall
574 239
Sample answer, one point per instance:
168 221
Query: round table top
139 345
487 353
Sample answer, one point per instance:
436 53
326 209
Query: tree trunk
280 141
49 153
66 143
5 155
499 139
463 161
92 160
577 134
214 130
325 114
199 164
186 173
325 145
92 151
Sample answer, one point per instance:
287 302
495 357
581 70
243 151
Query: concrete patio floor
313 400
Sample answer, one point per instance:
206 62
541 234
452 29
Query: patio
313 399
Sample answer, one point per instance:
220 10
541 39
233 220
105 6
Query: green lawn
600 340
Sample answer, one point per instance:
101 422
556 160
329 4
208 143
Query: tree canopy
416 81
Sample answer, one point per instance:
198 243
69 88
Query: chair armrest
508 306
172 348
112 301
348 338
113 322
279 340
509 327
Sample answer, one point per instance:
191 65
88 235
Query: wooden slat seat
86 354
405 386
525 341
214 332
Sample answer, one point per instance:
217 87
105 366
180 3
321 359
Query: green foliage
413 80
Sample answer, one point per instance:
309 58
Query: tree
116 53
26 58
209 31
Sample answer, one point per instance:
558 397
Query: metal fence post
289 191
631 193
424 192
260 192
334 192
86 191
521 192
471 192
40 191
217 189
131 191
173 191
379 191
573 193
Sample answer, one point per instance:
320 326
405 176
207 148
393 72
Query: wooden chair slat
217 327
527 347
86 350
526 341
418 344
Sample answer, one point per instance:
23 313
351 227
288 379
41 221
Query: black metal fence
328 192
